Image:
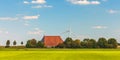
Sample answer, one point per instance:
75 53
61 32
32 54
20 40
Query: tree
84 43
62 45
68 42
7 44
102 43
92 43
76 44
40 44
112 42
21 42
31 43
28 44
14 42
89 43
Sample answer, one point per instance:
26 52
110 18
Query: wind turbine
69 32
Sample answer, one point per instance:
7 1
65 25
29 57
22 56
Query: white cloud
38 6
8 18
36 31
112 11
42 6
84 2
94 2
26 2
31 17
23 17
35 2
99 27
47 6
38 2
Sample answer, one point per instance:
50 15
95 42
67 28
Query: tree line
14 43
89 43
70 43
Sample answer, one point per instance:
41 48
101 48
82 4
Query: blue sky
26 19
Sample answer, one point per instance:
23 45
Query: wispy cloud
26 2
83 2
31 17
36 31
99 27
35 2
9 18
42 6
23 17
111 11
38 3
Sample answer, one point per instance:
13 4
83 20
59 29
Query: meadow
59 54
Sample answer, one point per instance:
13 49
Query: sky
22 20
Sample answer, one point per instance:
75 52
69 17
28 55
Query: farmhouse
51 41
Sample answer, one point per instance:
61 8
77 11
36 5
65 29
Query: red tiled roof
51 41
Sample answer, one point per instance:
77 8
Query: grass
59 54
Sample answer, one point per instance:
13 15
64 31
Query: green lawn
59 54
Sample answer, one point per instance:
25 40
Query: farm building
51 41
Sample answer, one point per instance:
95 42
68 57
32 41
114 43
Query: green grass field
59 54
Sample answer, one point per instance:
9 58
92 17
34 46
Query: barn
51 41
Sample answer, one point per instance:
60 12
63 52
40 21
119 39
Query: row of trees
89 43
70 43
14 43
33 43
